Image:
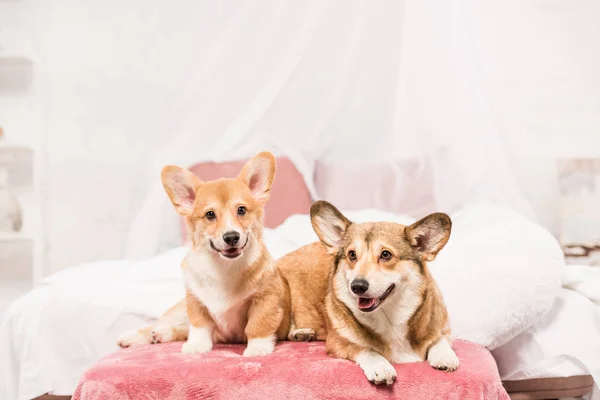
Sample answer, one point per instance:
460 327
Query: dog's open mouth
230 252
368 304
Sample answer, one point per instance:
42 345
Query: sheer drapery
385 84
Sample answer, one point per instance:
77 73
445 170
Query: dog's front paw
162 334
132 338
447 362
260 347
380 373
377 369
196 347
442 357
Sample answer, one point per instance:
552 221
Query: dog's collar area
368 304
231 252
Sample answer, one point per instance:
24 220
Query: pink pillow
289 194
402 187
296 371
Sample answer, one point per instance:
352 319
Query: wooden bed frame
528 389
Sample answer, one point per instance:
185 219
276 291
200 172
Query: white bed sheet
51 335
566 342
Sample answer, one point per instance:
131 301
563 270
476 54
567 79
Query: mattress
532 366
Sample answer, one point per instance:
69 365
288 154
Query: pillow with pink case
402 187
289 194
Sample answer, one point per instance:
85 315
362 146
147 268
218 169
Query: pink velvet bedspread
294 371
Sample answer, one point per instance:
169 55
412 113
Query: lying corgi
367 291
234 294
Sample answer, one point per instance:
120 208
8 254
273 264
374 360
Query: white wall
113 68
548 55
108 72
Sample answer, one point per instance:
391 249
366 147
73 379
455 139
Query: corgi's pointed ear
429 235
258 173
181 186
329 224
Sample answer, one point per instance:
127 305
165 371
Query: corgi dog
366 290
234 293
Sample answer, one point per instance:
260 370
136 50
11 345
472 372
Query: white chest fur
214 284
401 350
390 321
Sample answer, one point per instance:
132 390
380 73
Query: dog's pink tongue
365 302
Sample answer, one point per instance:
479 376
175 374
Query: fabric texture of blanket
294 371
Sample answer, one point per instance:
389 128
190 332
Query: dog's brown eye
386 255
241 210
352 255
210 215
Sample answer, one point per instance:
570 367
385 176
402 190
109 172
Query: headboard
289 194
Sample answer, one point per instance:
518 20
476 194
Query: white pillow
499 272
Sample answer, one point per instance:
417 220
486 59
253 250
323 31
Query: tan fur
313 270
305 296
309 270
257 292
308 282
197 312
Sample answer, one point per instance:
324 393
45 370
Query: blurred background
96 95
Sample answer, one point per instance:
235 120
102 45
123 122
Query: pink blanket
295 371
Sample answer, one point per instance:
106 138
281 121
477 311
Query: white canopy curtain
373 82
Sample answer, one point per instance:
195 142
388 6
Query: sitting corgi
367 291
234 293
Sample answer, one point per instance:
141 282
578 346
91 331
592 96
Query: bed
51 336
50 363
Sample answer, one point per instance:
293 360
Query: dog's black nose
231 238
359 286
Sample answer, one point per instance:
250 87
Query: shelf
14 237
15 73
14 146
18 159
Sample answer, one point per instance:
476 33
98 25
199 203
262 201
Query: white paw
380 373
377 369
196 347
131 338
442 357
162 333
260 347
